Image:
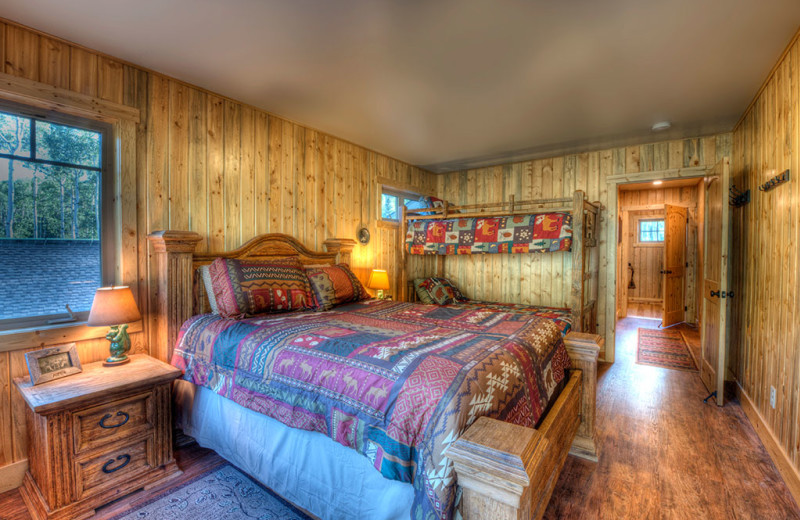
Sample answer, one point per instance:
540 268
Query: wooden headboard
180 292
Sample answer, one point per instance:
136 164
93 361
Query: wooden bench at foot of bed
505 471
508 472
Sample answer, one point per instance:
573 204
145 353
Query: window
52 188
392 200
651 230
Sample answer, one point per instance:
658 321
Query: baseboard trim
779 457
11 475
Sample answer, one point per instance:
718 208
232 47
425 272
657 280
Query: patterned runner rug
664 348
224 493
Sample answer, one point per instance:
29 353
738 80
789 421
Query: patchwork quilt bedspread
561 317
398 382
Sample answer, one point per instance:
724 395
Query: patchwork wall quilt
541 233
398 382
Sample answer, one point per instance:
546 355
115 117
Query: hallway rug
224 493
664 348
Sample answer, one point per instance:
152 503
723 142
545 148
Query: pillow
205 275
334 285
246 287
437 291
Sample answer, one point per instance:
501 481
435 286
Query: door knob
715 293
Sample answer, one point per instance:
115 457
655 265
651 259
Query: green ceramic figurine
120 344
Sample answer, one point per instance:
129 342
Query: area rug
664 348
224 493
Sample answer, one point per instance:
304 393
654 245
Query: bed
497 476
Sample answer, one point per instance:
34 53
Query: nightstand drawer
113 421
114 468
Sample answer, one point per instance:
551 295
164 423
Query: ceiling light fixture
657 183
661 126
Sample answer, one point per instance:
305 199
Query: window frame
109 231
648 218
402 196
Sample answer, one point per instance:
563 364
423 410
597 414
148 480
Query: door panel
715 281
674 271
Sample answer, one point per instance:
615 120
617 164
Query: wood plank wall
212 165
540 278
647 260
764 330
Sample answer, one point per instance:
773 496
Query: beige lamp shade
113 306
378 279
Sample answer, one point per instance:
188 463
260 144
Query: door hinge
687 264
685 308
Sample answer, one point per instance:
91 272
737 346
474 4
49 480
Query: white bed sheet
308 469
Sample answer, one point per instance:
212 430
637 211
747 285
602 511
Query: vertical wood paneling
110 80
764 261
21 53
178 156
6 435
54 63
198 175
215 117
83 71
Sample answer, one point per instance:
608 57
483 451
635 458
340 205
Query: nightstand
97 436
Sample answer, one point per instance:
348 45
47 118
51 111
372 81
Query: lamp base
113 362
380 294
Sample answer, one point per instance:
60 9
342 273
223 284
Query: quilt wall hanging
539 233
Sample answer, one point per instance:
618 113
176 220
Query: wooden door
715 281
674 270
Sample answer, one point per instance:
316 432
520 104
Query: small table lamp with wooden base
115 307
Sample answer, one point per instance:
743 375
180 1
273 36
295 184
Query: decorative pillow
205 275
437 291
334 285
245 288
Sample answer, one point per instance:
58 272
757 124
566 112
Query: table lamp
116 307
379 280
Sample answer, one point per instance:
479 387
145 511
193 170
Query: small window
52 188
392 200
651 230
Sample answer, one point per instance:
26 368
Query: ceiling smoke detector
661 126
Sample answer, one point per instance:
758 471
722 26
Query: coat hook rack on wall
737 198
775 181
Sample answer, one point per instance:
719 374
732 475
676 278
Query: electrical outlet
772 395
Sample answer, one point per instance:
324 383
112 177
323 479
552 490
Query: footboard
508 472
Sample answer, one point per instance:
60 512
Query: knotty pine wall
647 261
543 279
764 329
209 164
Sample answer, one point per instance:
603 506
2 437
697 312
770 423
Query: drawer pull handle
108 416
107 469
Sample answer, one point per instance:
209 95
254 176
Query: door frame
614 182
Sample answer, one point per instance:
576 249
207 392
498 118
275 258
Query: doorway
659 251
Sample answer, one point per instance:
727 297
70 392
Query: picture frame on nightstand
53 363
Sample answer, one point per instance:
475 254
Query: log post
578 261
583 350
173 298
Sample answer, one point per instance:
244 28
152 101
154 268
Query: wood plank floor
664 454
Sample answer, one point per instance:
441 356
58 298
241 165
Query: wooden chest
97 436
